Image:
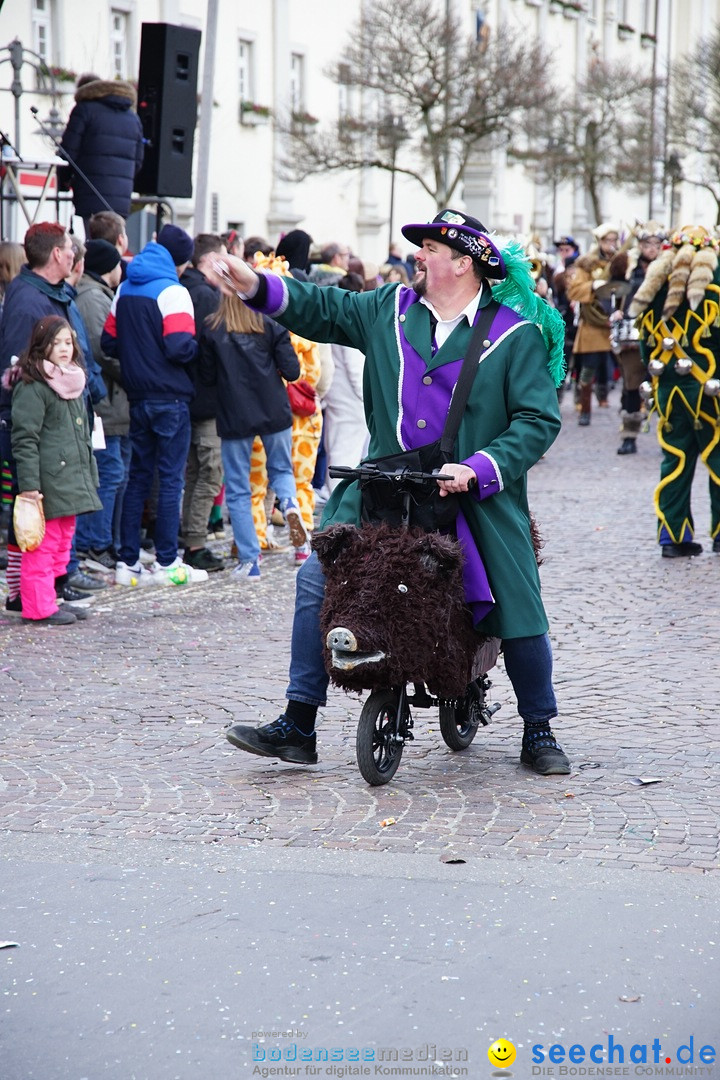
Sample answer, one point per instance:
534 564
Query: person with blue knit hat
415 339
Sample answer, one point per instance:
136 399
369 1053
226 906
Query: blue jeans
125 455
528 660
236 467
73 562
95 530
160 437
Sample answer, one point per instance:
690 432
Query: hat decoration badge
463 233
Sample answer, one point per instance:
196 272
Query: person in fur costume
592 341
632 265
678 314
104 139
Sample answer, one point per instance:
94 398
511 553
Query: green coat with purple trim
511 418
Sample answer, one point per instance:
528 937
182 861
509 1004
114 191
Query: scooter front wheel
380 739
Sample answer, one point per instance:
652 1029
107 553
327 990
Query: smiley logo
501 1053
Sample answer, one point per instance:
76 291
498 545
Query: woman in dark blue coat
104 139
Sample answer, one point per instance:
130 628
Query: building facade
270 59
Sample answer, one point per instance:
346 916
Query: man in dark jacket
38 290
104 139
95 291
151 330
203 476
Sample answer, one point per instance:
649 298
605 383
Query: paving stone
115 726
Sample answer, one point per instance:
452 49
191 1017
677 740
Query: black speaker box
167 107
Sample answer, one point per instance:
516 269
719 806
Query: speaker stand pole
206 110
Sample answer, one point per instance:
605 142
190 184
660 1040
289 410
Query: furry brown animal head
394 609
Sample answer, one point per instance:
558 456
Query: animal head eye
402 588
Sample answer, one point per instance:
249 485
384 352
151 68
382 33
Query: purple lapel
424 404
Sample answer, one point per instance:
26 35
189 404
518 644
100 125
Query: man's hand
231 275
463 478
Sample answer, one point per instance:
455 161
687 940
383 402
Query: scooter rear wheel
460 719
378 750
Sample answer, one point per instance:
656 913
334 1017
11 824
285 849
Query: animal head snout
342 640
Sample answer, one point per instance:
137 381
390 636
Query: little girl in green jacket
51 443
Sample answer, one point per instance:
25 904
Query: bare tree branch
452 94
600 134
695 112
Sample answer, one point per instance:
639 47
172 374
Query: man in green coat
414 340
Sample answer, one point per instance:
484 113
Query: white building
275 53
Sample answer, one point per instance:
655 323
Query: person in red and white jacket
151 330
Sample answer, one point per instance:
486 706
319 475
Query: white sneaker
177 573
302 553
136 575
246 571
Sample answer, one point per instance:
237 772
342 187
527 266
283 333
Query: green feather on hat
517 291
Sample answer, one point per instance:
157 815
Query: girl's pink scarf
67 382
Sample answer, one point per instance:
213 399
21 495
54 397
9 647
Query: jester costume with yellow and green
678 313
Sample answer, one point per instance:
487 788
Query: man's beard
419 283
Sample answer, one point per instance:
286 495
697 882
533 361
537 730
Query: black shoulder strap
461 392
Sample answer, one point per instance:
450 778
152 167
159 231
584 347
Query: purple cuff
271 296
489 480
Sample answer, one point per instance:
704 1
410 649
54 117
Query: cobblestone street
114 727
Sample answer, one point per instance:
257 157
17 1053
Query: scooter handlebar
370 472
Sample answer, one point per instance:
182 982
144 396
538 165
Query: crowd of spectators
191 426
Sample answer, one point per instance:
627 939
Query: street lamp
391 134
673 169
554 146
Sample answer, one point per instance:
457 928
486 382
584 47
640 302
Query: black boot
585 405
681 551
541 752
629 445
281 739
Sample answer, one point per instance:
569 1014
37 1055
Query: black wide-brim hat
463 233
